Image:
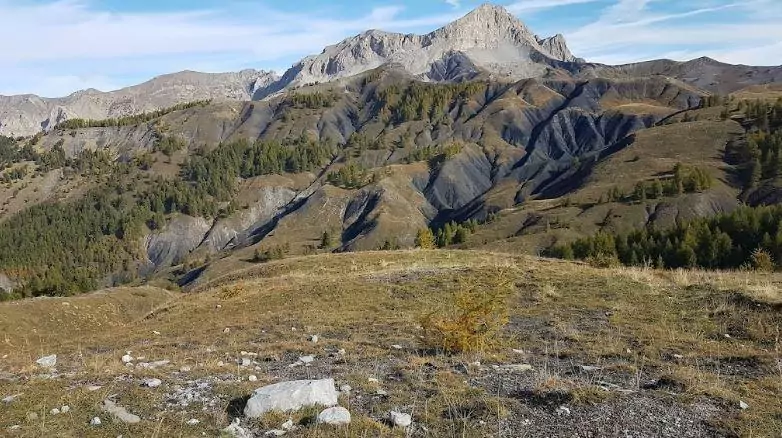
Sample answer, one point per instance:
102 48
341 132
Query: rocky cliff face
489 38
28 114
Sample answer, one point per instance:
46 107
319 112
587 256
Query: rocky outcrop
181 235
487 39
29 114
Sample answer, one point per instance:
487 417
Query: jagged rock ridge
489 37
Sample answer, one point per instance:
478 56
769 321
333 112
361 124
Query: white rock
517 351
252 378
235 430
400 419
95 421
563 410
184 369
291 396
336 416
47 361
119 412
55 411
11 398
381 392
94 388
220 363
192 422
678 356
743 405
152 383
517 368
155 332
227 330
127 358
288 425
307 359
14 427
32 416
397 347
373 380
65 409
341 352
590 368
246 362
314 339
345 388
275 432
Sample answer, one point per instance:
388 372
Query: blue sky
55 47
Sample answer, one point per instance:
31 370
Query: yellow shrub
471 320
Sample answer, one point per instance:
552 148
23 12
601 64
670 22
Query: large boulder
291 396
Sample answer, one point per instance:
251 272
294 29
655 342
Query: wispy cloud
454 3
536 5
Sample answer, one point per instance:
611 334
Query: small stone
563 410
47 361
119 412
220 363
192 422
293 329
341 352
590 368
517 351
252 378
14 427
400 419
127 358
65 409
246 362
11 398
218 306
54 411
155 332
275 432
345 388
288 425
373 380
743 405
314 339
336 416
236 430
517 368
678 356
307 359
397 347
32 416
227 330
152 383
727 336
381 392
95 421
94 388
184 369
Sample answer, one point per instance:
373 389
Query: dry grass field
619 352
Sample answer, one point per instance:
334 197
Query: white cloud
536 5
454 3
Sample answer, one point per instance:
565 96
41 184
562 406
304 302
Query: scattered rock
397 347
95 421
127 358
192 422
94 388
235 430
590 369
65 409
743 405
399 419
184 369
220 363
227 330
517 351
517 368
155 332
336 416
11 398
152 383
32 416
345 388
47 361
373 380
288 425
678 356
381 392
246 362
291 396
55 411
314 339
563 410
307 359
253 378
119 412
14 427
275 432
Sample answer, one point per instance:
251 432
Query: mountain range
488 41
361 146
